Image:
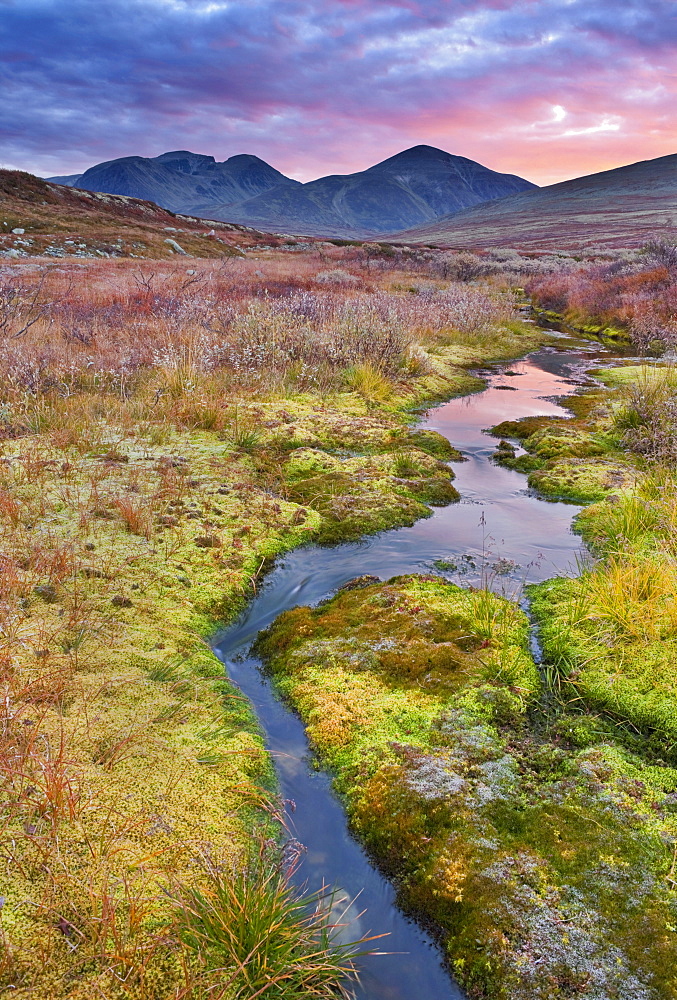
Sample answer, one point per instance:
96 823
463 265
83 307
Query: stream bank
519 819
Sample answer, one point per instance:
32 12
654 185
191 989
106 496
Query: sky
547 89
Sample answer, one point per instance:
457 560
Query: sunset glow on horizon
547 89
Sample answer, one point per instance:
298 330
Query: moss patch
578 459
543 861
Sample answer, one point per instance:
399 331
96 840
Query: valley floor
160 444
162 440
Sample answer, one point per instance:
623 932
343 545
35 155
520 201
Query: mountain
413 187
183 181
622 207
67 180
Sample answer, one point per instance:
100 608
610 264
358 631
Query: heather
633 296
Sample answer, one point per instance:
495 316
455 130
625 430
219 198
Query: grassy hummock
541 849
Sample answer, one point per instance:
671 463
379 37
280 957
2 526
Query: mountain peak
419 154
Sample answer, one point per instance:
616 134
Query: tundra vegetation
166 428
530 813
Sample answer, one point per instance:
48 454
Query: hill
185 182
624 207
415 186
38 217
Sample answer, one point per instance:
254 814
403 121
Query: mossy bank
541 849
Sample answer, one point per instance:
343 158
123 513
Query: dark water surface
501 536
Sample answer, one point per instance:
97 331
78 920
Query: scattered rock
176 248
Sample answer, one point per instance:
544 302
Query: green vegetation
279 942
532 817
582 459
545 852
162 437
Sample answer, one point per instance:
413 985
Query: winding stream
499 535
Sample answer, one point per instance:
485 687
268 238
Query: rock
18 232
120 601
176 248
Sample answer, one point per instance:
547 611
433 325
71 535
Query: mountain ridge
414 186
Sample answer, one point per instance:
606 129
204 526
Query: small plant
243 433
405 465
368 382
257 935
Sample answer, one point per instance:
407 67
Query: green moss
583 480
418 694
355 496
524 428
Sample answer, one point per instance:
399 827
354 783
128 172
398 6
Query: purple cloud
545 88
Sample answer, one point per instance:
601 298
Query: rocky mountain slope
622 207
38 217
413 187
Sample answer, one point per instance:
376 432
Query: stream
500 535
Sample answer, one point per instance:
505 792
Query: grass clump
254 934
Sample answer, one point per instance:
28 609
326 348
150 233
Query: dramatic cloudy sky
548 89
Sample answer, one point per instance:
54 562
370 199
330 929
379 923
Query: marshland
493 699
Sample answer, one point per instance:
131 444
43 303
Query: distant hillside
58 220
68 180
183 181
413 187
622 207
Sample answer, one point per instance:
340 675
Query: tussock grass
257 935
